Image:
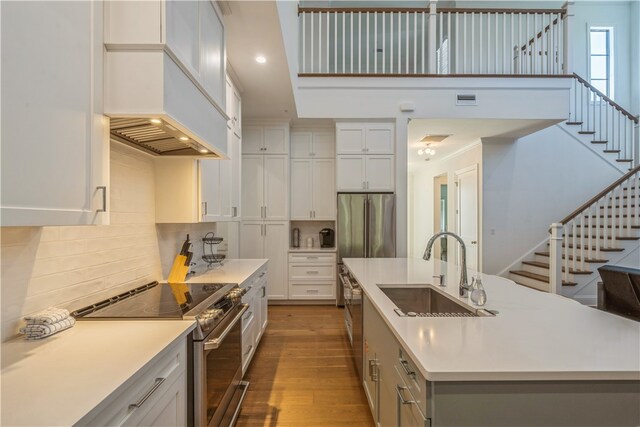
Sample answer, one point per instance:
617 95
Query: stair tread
594 248
538 277
574 123
587 132
611 151
636 227
599 142
593 260
546 265
624 160
579 236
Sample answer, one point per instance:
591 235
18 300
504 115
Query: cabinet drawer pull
104 198
264 291
312 291
262 274
399 389
248 315
407 369
248 350
140 402
313 257
313 272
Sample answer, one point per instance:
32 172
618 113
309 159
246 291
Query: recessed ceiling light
204 150
156 121
261 59
184 138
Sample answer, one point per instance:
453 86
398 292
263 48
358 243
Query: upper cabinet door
54 154
301 188
350 138
276 140
212 66
252 240
210 190
276 187
301 145
379 173
236 111
226 211
252 187
236 173
324 189
323 145
182 32
379 138
252 140
350 174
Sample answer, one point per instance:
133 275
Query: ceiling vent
466 99
434 138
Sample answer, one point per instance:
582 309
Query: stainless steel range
353 315
216 389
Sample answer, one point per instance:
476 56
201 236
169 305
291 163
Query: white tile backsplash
73 266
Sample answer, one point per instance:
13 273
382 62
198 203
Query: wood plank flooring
302 373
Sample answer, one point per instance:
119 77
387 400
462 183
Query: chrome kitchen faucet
464 285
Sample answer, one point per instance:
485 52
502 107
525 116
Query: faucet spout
464 284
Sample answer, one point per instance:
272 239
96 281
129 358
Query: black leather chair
619 291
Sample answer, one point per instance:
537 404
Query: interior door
351 226
252 186
467 212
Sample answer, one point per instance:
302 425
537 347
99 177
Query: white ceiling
464 132
252 29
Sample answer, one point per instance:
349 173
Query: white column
431 51
555 259
567 44
402 218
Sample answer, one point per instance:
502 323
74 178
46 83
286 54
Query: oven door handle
214 343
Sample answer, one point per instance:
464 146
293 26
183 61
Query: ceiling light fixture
184 138
156 121
204 150
261 59
420 152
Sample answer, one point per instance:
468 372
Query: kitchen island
542 360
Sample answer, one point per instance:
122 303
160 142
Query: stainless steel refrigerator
366 228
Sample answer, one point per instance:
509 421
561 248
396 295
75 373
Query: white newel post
555 259
567 47
433 25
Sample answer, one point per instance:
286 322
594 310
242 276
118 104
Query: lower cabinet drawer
143 398
314 272
302 290
315 257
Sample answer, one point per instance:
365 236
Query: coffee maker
327 238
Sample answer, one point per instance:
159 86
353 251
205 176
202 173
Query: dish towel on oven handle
47 317
38 331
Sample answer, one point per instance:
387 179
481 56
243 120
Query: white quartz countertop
535 335
231 271
60 379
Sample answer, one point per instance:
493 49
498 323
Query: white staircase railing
426 41
608 123
594 228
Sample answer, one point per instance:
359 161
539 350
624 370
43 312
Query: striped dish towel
47 317
39 331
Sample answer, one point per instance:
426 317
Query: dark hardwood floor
302 373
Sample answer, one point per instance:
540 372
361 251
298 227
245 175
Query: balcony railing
426 41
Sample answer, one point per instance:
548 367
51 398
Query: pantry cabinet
55 154
265 184
313 189
312 144
260 239
365 173
365 138
265 139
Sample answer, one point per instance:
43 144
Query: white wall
620 16
421 178
529 184
74 266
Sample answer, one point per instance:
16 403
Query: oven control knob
210 315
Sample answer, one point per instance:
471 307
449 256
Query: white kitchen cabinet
313 189
312 276
55 154
234 107
312 144
182 23
265 139
191 191
365 138
159 391
212 58
366 173
268 240
265 183
264 310
255 318
235 152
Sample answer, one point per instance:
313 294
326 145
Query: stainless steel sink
427 302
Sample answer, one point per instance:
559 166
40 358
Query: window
601 59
